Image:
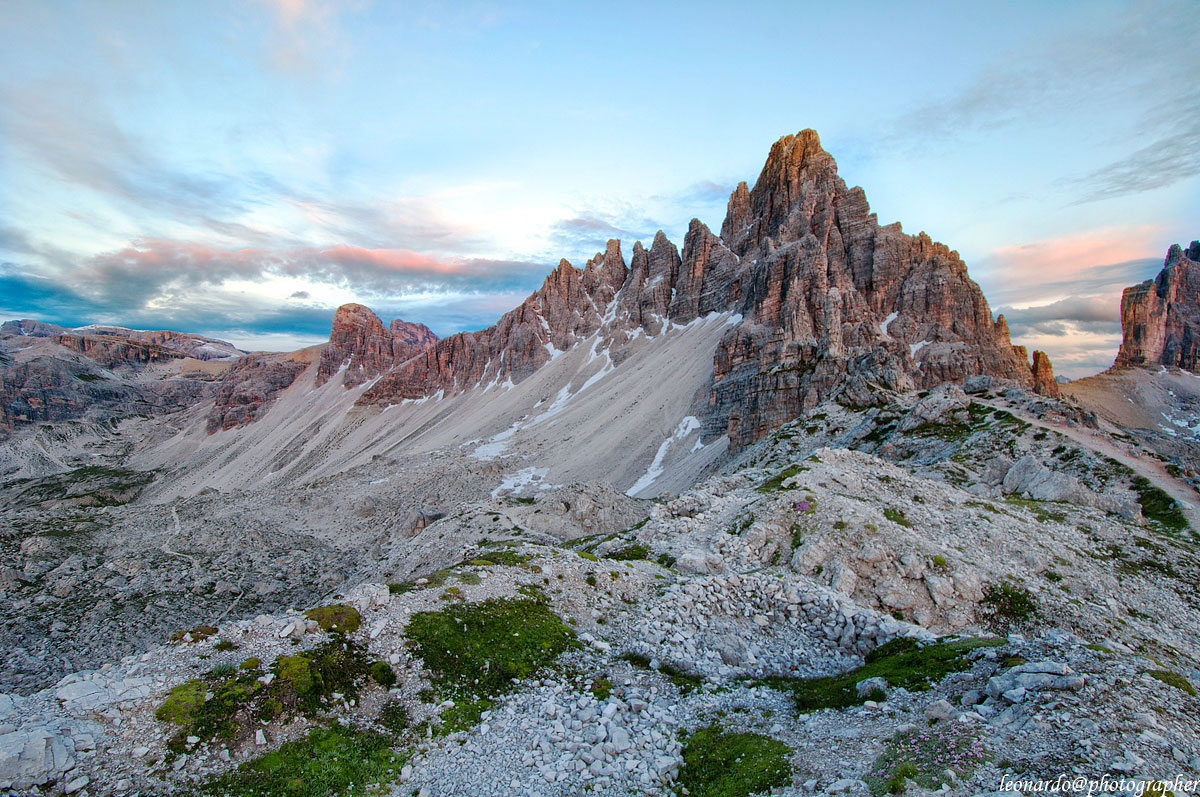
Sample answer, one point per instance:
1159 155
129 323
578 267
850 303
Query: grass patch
230 702
337 618
1158 506
327 761
900 662
182 702
923 756
775 483
1173 679
1038 509
1008 602
477 650
630 554
717 763
897 516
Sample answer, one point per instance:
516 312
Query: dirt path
1149 467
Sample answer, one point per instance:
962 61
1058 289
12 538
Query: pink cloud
1067 257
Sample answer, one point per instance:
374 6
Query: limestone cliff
1160 318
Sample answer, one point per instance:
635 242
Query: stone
1160 318
869 685
941 711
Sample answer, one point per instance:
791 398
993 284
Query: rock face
834 303
183 343
1160 318
360 342
831 304
247 391
65 375
1043 375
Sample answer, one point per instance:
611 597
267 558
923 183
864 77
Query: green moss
251 663
224 645
590 579
775 483
476 650
328 761
383 674
665 560
717 763
198 634
591 557
394 716
182 702
1038 508
601 688
1173 679
1158 506
338 618
897 516
631 553
297 672
901 662
939 562
1008 602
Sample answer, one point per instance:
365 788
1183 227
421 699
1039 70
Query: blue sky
240 169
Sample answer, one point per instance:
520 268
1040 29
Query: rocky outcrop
836 305
184 343
247 391
361 344
1160 318
831 305
1043 375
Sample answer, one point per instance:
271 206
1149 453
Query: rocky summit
779 511
1160 318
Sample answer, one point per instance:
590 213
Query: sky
240 169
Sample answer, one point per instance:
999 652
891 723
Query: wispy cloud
1165 161
1139 65
590 231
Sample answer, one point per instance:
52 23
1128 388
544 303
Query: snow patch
913 348
887 322
526 477
688 425
496 443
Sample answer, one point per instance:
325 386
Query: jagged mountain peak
826 303
1160 318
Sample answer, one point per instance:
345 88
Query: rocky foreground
972 595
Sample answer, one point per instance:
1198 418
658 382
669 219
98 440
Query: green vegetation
601 688
591 557
631 553
225 645
1158 506
665 560
897 517
1008 602
337 618
229 702
91 486
1173 679
900 662
722 764
394 716
251 663
182 702
328 761
775 483
477 650
1038 508
924 755
383 674
198 634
